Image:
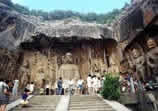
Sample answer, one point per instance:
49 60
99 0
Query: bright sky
84 6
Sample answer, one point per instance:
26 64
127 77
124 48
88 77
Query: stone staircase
40 103
76 103
88 103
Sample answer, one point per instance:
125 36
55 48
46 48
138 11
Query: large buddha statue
152 57
68 70
139 61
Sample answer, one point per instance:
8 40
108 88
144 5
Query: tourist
136 85
80 86
89 84
63 91
41 91
102 81
52 90
1 94
28 86
71 86
85 88
47 87
59 84
25 95
4 94
15 88
31 87
94 85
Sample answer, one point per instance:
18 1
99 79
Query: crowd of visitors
92 85
10 89
129 84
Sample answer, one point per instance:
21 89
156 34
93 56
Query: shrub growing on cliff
111 87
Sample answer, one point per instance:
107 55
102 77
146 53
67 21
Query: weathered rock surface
73 28
16 28
136 30
13 29
135 19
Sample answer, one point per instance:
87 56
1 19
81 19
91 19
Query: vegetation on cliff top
60 14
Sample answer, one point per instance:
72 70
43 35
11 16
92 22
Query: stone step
93 110
78 100
76 105
87 97
35 108
88 103
40 103
87 107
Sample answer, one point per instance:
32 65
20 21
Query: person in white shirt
71 86
80 86
31 87
95 80
47 89
28 86
15 88
89 84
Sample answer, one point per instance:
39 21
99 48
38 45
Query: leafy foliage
111 87
60 14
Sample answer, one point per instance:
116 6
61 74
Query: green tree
21 9
111 87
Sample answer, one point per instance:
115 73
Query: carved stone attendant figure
139 64
152 57
25 75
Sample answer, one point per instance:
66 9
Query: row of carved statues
145 63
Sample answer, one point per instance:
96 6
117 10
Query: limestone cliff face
13 29
135 19
41 47
73 28
16 28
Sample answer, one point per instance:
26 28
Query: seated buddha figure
68 70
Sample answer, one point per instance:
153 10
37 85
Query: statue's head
68 58
151 43
136 53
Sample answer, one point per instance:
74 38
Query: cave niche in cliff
46 56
